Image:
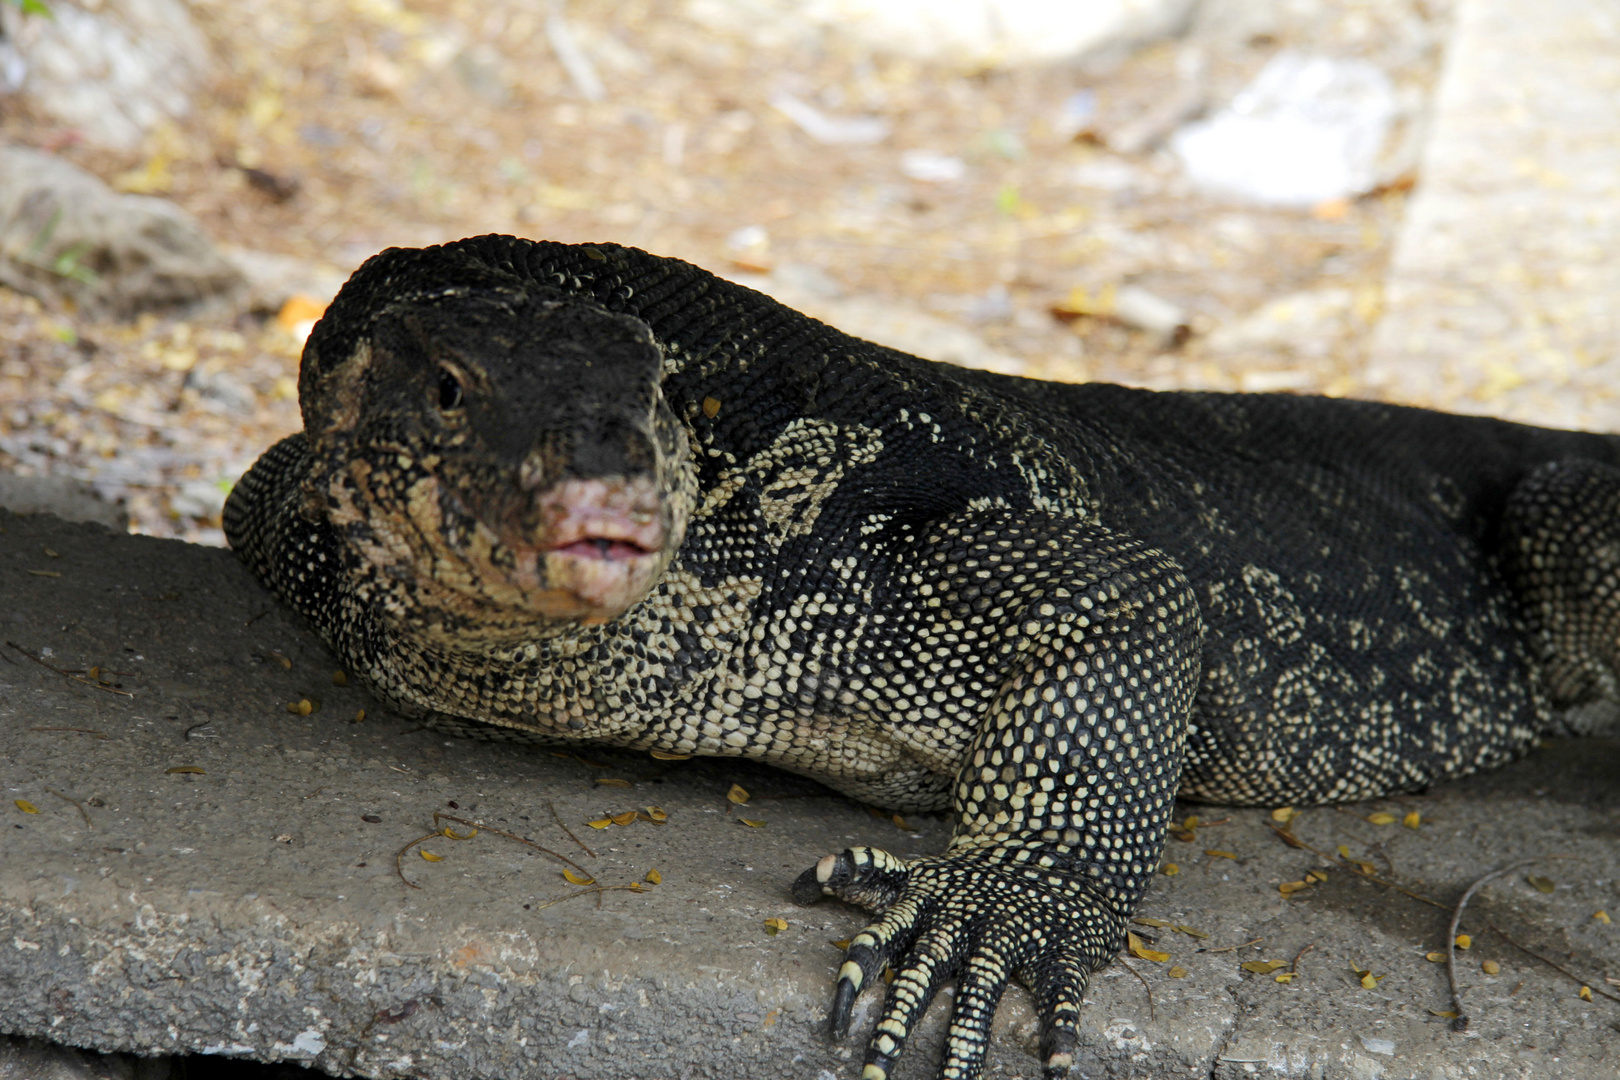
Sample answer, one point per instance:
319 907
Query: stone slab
254 909
1502 285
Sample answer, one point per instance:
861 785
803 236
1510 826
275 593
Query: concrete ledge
253 908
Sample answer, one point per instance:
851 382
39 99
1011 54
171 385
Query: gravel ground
338 127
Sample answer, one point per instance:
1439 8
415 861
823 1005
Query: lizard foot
968 917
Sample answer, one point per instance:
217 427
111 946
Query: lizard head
501 459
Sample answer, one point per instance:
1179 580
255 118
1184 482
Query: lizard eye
449 391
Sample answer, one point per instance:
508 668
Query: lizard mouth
604 548
589 550
599 548
608 519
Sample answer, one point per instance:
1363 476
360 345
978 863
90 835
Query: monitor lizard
586 494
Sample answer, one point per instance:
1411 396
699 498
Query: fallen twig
1460 1021
513 836
69 674
1568 974
1126 965
77 804
634 886
399 858
558 819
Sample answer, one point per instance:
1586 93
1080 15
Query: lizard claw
957 917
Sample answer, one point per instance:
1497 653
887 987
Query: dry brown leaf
453 835
1445 1013
775 926
656 815
1381 818
752 823
737 795
26 807
1284 814
1541 884
1177 972
612 781
1288 888
1169 869
1464 941
1136 948
1190 932
1157 924
1285 977
600 823
666 755
711 407
1216 853
1369 981
1491 967
301 707
655 877
577 879
1412 820
623 819
1435 957
340 678
1602 917
429 856
1262 967
1586 993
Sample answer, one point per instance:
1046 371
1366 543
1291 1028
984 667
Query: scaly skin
584 494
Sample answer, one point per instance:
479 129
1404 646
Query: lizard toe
915 983
869 952
870 877
1058 984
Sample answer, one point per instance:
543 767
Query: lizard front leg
1063 799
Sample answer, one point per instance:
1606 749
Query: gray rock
68 499
110 71
66 237
1000 33
273 278
1306 129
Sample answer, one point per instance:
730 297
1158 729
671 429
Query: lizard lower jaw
593 586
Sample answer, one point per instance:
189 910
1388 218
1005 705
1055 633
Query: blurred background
1166 193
